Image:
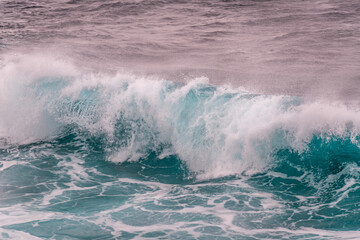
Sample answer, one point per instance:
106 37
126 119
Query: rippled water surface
291 47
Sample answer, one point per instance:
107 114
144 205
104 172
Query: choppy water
179 120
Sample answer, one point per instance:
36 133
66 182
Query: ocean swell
215 131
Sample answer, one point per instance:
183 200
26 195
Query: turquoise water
91 156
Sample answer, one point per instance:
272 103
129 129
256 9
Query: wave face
117 156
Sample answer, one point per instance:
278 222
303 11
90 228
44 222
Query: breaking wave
215 131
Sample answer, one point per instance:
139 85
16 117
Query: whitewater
179 120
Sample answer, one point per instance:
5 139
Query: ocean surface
180 119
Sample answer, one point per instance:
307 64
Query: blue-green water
126 157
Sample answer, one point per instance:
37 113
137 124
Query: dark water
179 120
